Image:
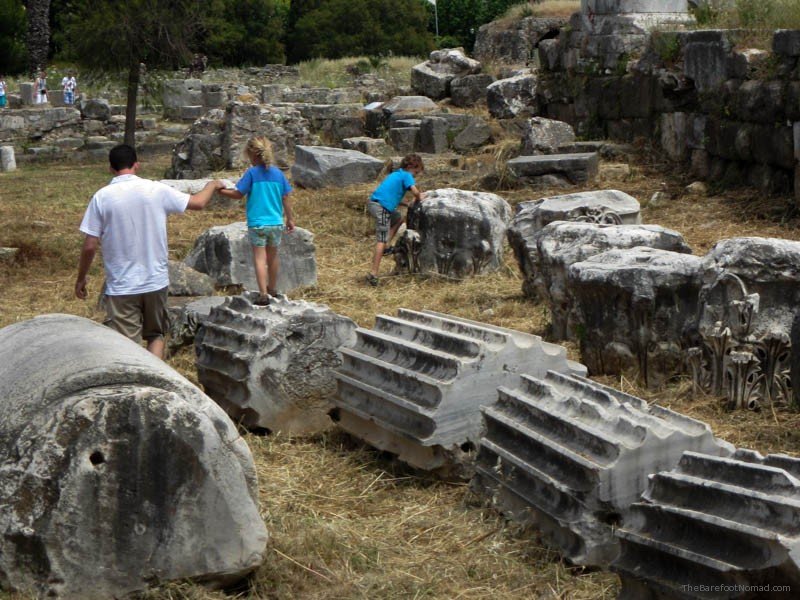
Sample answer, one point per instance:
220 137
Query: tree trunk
130 108
38 12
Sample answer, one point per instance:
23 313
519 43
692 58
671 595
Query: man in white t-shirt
128 218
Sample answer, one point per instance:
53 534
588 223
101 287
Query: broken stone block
284 126
186 318
513 97
272 366
97 109
716 521
470 89
26 93
552 250
317 167
414 384
545 136
454 232
367 145
117 473
177 93
432 78
608 207
334 122
192 186
750 293
433 135
477 133
655 297
404 140
185 281
567 168
568 457
225 254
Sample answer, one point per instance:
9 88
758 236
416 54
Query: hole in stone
334 415
612 519
97 458
468 447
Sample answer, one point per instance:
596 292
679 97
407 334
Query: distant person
269 213
383 206
40 88
70 85
3 91
128 218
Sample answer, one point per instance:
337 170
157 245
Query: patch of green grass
320 72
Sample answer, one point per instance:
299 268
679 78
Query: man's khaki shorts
138 316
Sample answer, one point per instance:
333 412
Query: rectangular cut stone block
619 7
786 42
722 522
568 457
414 384
577 168
404 139
26 93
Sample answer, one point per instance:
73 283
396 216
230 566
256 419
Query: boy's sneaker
263 300
372 280
388 250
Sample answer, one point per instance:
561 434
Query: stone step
464 327
717 521
375 404
580 431
595 447
418 357
444 365
740 504
755 477
430 337
577 168
574 470
720 539
418 388
535 487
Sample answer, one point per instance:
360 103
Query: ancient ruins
118 473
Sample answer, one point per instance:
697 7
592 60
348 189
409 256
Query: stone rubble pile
271 367
569 457
116 473
731 524
414 384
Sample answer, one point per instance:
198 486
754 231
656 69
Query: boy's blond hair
261 147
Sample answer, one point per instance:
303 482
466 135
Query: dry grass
541 8
395 70
347 522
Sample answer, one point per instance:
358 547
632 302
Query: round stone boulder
117 473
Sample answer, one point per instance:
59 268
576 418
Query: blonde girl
269 212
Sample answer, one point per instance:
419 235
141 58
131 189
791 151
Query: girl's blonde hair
261 147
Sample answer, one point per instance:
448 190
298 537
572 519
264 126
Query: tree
242 32
12 33
460 19
113 35
340 28
38 14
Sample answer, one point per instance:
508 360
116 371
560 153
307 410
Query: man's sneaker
388 250
372 280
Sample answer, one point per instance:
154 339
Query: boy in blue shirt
268 207
383 206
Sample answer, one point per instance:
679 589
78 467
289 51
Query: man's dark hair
122 157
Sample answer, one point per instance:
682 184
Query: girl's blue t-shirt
265 188
392 189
